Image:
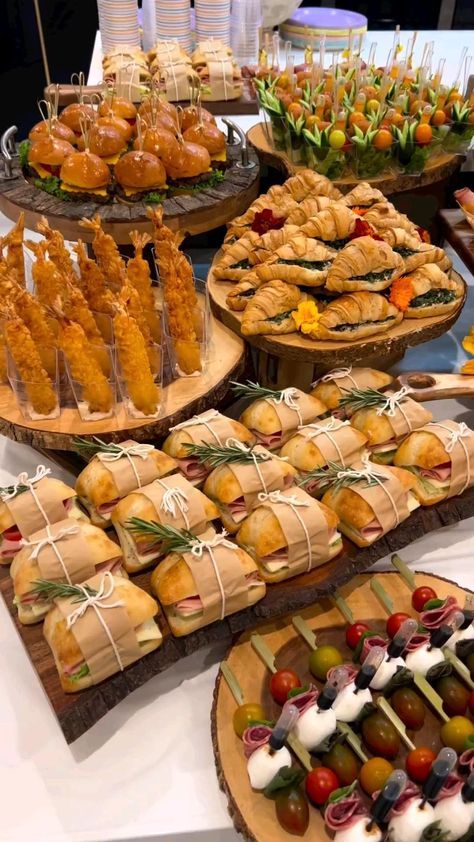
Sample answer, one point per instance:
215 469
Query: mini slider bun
47 155
160 142
190 117
105 141
120 107
138 173
140 607
209 136
76 113
172 582
58 129
423 450
330 393
191 167
122 126
87 175
159 113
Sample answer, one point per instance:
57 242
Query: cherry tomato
292 811
455 732
354 633
422 595
323 659
409 707
320 783
245 714
471 702
281 683
455 695
380 736
343 763
374 774
418 763
395 621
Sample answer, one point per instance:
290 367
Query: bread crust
300 248
371 312
96 483
330 394
175 443
305 455
262 416
423 449
362 257
335 222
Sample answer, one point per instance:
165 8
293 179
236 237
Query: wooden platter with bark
76 713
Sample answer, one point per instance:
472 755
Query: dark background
70 25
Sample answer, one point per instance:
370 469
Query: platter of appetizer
312 275
353 720
228 524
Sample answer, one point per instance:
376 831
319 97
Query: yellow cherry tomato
337 139
373 105
455 732
374 774
245 714
323 659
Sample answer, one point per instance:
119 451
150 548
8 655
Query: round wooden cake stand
253 814
194 214
436 170
182 398
293 359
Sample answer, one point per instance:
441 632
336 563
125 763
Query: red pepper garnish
363 229
266 221
424 235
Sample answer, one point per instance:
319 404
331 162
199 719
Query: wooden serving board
315 357
253 814
76 713
437 169
194 214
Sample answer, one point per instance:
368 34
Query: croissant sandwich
273 420
307 208
237 259
290 534
387 423
384 215
82 550
364 263
303 261
333 225
356 316
314 445
243 292
269 242
432 292
280 208
270 310
413 252
441 458
131 626
306 183
332 386
362 196
111 475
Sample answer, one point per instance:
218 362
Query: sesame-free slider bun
104 141
112 120
85 170
75 114
160 142
206 135
119 106
49 151
140 170
194 160
58 129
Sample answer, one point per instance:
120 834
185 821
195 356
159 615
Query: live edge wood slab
77 713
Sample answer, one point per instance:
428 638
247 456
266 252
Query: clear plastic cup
35 401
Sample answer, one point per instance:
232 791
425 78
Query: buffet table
146 770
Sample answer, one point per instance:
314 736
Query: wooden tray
182 398
314 358
77 713
436 170
192 214
253 814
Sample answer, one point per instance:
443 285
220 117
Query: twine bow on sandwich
260 456
200 546
23 479
289 397
205 419
175 498
326 429
50 541
97 602
140 450
336 374
293 502
371 474
393 402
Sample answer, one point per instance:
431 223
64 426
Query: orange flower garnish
360 211
424 235
467 368
402 293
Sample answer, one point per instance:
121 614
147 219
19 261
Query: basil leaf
343 792
287 777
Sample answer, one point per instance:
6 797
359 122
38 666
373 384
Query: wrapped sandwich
65 553
114 471
385 418
31 504
331 387
115 629
169 500
369 499
315 445
426 292
441 457
413 252
356 316
204 579
207 428
240 475
302 261
275 414
290 533
364 263
217 70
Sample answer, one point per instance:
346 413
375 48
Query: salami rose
344 813
303 701
436 617
452 785
417 641
351 672
466 761
255 737
370 642
410 792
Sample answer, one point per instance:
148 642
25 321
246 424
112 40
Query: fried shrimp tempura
164 235
57 251
35 319
37 383
100 299
132 353
77 310
14 242
106 251
84 367
138 273
49 281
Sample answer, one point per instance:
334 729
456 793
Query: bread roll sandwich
364 263
169 500
302 261
431 292
371 500
356 316
413 252
80 551
385 418
441 458
290 534
83 653
196 590
116 470
209 427
275 415
331 387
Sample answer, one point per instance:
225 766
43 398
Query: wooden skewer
431 695
304 630
353 740
404 571
459 667
232 683
382 595
397 723
343 607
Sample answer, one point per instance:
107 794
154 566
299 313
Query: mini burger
117 123
86 175
160 142
119 107
190 117
105 141
74 114
139 173
191 168
46 157
60 130
209 136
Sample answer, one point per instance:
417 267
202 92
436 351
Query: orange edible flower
360 211
402 292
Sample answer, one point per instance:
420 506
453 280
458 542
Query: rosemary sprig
215 456
329 477
254 390
9 489
89 447
173 540
363 398
55 590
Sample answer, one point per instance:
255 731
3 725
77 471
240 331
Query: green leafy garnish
401 678
314 265
434 833
23 151
241 264
330 477
343 792
280 317
215 178
373 277
9 489
469 742
348 327
51 185
89 447
433 296
173 540
214 456
81 673
404 252
297 691
287 777
254 390
153 198
363 398
56 590
439 671
360 644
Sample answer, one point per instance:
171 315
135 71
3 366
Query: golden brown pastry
362 196
356 316
272 240
305 183
387 423
384 215
333 225
302 261
280 207
434 293
364 263
237 259
316 444
270 309
243 292
275 419
331 387
445 264
307 208
413 252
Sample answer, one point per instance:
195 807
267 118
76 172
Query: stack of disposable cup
118 23
212 20
148 24
173 21
245 23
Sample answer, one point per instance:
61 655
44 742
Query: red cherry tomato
471 702
281 683
418 763
319 785
395 621
421 596
354 634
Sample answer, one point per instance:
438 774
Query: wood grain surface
457 231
